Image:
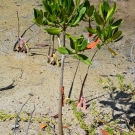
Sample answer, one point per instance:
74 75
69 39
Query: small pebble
15 126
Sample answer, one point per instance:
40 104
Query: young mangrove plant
58 15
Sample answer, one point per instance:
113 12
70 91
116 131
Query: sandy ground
32 74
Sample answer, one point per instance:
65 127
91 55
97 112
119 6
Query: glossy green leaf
99 19
70 8
63 16
72 44
106 6
64 50
77 2
117 24
73 37
102 36
90 11
113 52
53 31
38 14
118 39
82 47
101 9
90 30
111 11
116 35
109 29
98 31
81 13
83 58
114 31
46 7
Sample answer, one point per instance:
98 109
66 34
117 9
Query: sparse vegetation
56 17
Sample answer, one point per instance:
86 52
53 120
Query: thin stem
22 36
92 59
18 27
53 46
81 91
16 121
60 126
30 120
73 80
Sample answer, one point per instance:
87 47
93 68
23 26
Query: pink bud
22 41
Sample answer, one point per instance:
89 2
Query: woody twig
84 80
14 48
17 117
30 120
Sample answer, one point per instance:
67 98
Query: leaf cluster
58 15
107 28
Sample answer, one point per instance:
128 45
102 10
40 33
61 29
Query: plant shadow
120 102
11 86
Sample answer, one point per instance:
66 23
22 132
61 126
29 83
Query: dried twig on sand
16 121
30 120
8 87
18 28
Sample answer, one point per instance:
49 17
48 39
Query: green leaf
118 39
114 31
90 30
106 6
64 50
101 9
117 24
73 37
111 20
70 7
90 11
116 35
53 31
113 52
99 46
38 14
99 19
111 11
47 7
72 44
64 17
82 47
64 3
98 31
81 13
109 29
77 2
83 58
